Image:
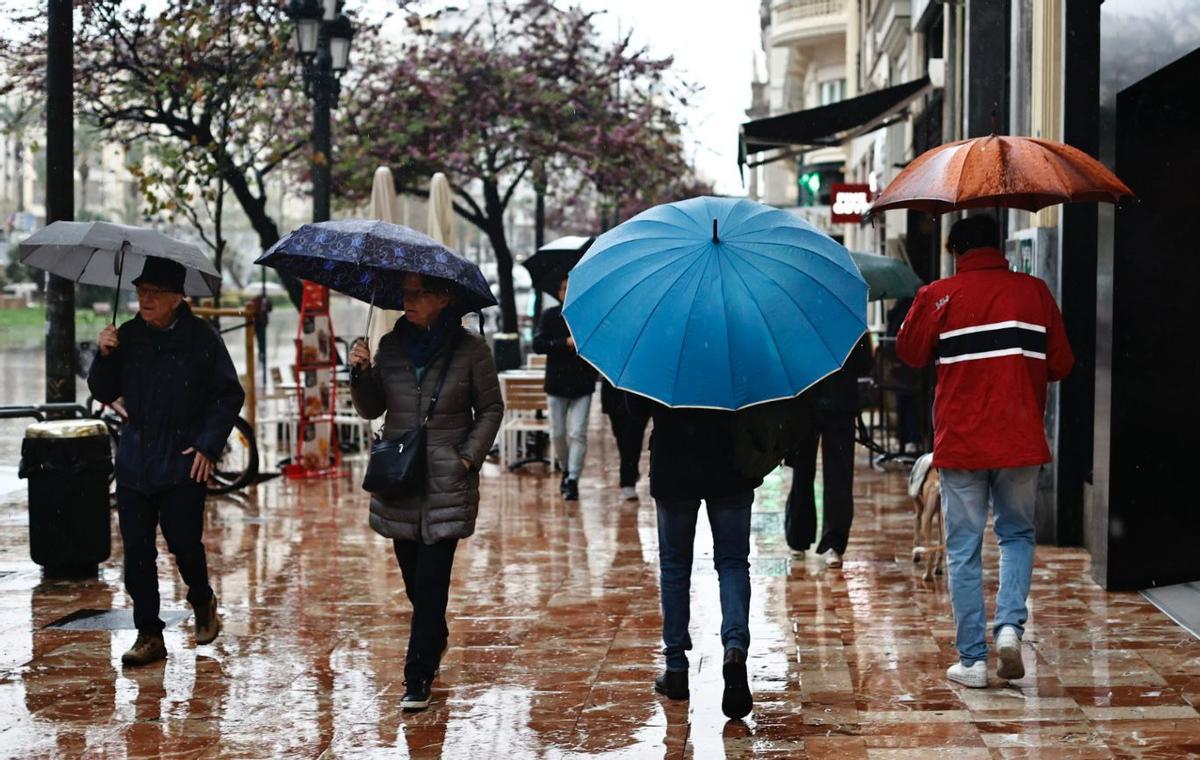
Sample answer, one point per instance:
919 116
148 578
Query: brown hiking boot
208 624
148 648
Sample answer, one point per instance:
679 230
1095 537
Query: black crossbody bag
397 465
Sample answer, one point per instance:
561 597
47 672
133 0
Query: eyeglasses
144 292
415 294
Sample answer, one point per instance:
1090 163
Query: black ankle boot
672 684
737 701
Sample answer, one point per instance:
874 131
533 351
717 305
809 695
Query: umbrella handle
366 336
120 271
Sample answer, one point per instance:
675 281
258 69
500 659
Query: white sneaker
629 493
833 559
974 677
798 553
1008 646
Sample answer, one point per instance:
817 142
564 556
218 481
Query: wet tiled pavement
554 642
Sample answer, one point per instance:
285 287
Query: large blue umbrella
716 303
367 259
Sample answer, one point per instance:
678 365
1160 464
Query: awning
829 125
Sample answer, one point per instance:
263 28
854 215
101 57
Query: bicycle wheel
238 464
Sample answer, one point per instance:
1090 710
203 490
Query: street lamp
322 44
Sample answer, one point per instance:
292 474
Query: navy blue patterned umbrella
367 259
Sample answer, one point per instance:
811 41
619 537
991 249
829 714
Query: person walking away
629 430
570 384
262 311
426 523
905 380
692 460
836 402
181 393
997 338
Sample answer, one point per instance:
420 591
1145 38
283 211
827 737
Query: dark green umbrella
886 277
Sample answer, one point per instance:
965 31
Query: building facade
1108 78
803 66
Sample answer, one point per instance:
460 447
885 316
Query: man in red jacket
997 338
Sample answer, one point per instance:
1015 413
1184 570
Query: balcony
890 22
806 21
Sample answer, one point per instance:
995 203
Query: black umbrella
553 261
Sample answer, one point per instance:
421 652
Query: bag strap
437 391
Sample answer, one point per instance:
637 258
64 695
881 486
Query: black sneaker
736 701
673 684
571 490
416 695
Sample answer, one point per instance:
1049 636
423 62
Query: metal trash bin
507 350
67 464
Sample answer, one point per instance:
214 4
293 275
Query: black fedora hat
166 274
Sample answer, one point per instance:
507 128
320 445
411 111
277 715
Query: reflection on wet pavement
555 639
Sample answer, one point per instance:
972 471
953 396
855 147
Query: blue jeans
965 496
730 521
568 431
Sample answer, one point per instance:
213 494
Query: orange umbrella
1000 170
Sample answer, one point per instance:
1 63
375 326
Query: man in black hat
182 395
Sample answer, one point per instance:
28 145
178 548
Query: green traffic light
811 181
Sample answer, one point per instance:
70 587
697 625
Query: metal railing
796 10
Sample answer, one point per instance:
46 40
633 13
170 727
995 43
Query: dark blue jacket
691 452
181 392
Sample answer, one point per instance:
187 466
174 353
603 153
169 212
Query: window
832 91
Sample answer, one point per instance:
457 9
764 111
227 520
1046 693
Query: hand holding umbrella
360 355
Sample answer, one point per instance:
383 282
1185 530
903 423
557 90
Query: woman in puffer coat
426 525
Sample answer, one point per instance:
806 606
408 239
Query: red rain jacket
997 337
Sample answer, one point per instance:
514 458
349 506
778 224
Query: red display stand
317 454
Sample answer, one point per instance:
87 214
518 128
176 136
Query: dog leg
932 503
918 539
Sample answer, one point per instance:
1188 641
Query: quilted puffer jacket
463 426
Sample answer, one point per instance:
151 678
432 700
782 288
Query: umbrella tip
715 238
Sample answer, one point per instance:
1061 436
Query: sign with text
850 203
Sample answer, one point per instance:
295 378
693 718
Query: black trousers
426 570
180 512
835 433
630 432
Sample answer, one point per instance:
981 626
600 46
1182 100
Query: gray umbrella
91 253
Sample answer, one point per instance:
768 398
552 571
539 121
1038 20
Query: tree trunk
263 224
504 259
219 239
539 232
504 264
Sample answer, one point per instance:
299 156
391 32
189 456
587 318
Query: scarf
421 344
